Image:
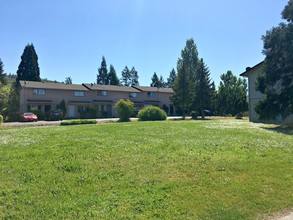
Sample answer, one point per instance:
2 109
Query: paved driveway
48 123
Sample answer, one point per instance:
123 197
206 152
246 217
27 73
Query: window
133 94
78 93
152 94
83 108
39 91
102 93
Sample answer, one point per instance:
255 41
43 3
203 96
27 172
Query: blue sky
71 36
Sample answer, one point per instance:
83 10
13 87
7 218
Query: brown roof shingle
52 85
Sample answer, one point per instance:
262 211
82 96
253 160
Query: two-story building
255 96
81 99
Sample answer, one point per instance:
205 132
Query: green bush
1 119
78 122
124 109
194 115
151 113
40 114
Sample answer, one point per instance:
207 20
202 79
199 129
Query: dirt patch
286 214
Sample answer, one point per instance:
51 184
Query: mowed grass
212 169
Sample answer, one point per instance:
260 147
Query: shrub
40 114
78 122
194 115
124 109
12 116
1 119
152 113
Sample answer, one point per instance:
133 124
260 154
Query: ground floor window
104 110
34 107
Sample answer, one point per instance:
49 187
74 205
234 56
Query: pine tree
2 74
134 77
171 79
155 80
184 83
276 80
28 68
203 87
68 80
113 79
126 77
102 77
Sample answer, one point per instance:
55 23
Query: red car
28 116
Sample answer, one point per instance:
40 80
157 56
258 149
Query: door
71 111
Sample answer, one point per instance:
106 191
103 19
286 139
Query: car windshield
28 114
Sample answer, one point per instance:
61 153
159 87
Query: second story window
102 93
39 91
78 93
152 94
133 95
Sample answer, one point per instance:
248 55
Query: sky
71 36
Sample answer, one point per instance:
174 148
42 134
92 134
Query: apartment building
81 100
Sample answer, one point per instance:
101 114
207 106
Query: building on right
255 96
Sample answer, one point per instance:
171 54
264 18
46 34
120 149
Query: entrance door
71 111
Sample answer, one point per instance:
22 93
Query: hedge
78 122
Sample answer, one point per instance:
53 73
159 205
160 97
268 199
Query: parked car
55 114
28 116
208 112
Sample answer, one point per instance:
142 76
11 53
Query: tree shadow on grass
284 129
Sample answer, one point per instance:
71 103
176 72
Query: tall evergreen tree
134 77
276 80
203 88
102 77
28 68
2 74
113 79
126 77
155 80
162 82
171 79
184 83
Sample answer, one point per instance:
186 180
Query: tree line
193 88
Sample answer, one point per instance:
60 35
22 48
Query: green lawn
212 169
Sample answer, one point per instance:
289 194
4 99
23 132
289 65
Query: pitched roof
99 87
52 85
153 89
248 69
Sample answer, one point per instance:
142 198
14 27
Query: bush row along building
86 100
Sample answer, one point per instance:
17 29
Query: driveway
48 123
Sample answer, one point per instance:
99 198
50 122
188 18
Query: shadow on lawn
284 129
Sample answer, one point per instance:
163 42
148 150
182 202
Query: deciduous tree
232 95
